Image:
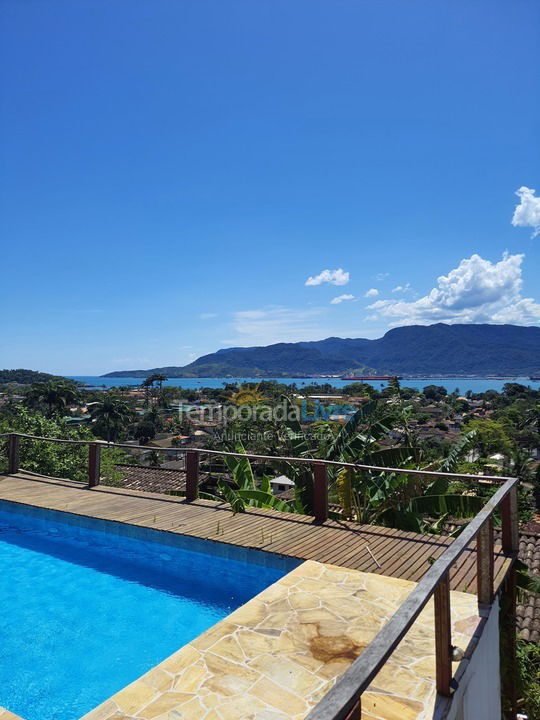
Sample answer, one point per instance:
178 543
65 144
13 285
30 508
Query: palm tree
54 395
160 378
520 464
111 416
147 385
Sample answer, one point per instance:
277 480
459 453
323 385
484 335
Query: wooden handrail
343 701
342 698
278 458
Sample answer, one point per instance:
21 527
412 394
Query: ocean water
84 612
475 385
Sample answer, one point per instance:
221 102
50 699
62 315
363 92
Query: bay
463 384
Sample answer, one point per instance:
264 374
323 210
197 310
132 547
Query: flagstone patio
277 655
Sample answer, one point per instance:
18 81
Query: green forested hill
411 350
26 377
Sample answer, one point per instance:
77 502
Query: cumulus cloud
372 292
527 213
341 298
401 288
334 277
476 291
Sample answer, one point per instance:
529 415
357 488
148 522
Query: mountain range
438 349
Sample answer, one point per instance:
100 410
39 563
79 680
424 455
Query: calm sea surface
475 385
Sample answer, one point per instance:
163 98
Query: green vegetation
453 350
528 670
112 416
51 397
490 433
60 460
26 377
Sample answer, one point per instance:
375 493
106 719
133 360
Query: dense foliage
528 666
26 377
58 460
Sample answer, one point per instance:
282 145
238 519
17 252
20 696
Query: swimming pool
87 606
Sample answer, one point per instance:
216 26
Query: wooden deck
362 547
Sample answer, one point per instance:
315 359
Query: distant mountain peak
438 349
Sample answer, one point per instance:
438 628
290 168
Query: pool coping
277 655
369 548
168 538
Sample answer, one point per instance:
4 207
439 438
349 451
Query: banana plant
246 492
386 498
356 441
407 503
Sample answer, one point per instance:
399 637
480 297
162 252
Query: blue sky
173 173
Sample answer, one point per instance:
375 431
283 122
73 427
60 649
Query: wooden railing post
484 562
509 512
192 475
13 453
320 493
94 464
443 636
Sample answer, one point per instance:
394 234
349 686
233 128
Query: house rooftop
528 611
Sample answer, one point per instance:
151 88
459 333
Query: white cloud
207 315
340 298
276 324
527 213
334 277
381 276
476 291
372 292
402 288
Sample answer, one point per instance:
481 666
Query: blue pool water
88 606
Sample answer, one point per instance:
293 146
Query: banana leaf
264 500
350 430
391 457
241 469
457 451
265 484
459 506
401 520
231 496
294 431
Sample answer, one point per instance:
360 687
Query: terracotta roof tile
528 611
151 479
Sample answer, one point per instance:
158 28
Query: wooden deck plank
397 553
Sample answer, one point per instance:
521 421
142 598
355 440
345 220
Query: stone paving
277 655
6 715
